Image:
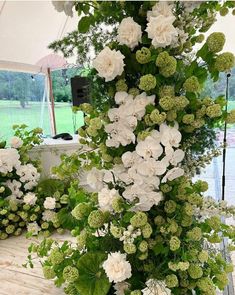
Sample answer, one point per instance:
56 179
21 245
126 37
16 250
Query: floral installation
142 226
26 202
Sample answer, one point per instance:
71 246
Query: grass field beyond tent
34 115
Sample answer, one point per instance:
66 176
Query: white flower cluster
120 288
66 6
117 268
143 170
130 235
154 287
30 199
160 26
9 159
16 142
33 228
14 186
106 197
125 118
28 175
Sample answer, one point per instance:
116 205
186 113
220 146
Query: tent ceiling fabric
28 27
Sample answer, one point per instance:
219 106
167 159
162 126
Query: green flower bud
181 102
18 232
147 231
231 117
82 132
3 212
188 119
70 274
45 225
96 123
229 268
166 63
96 219
143 256
195 271
214 222
139 219
56 257
147 82
2 189
116 231
171 115
167 103
48 272
134 91
224 62
86 108
200 38
81 211
206 286
143 246
188 209
195 234
157 118
3 236
201 185
5 222
183 266
203 256
191 84
171 281
170 206
143 55
159 220
121 85
10 229
81 240
166 188
136 292
215 42
129 248
167 90
174 243
214 111
117 204
223 11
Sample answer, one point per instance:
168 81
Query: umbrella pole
52 102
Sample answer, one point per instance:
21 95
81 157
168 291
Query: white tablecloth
50 150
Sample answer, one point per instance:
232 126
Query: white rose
9 159
161 30
129 33
48 215
49 203
30 199
16 142
33 228
160 8
109 64
117 268
106 197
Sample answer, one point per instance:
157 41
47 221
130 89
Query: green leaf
85 23
3 144
92 278
65 218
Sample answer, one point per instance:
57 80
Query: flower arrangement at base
142 225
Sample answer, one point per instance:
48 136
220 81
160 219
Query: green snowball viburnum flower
188 119
223 11
215 42
146 231
201 185
134 91
159 220
121 85
181 102
143 246
167 103
70 273
192 84
171 115
224 62
139 219
116 231
157 117
174 243
170 206
195 271
117 204
143 55
200 38
231 117
147 82
10 229
136 292
81 239
167 64
171 281
96 219
183 266
129 248
214 111
81 210
203 256
56 257
167 90
48 272
206 285
214 222
195 234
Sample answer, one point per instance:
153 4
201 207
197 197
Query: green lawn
12 113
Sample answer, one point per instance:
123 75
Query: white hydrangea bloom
49 203
154 287
117 268
106 197
48 215
30 199
9 159
16 142
161 30
92 180
14 186
109 64
28 173
129 33
33 228
160 8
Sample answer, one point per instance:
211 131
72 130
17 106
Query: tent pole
52 101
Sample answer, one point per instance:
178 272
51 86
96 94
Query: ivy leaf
92 278
85 23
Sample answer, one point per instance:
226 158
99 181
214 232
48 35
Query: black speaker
80 90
